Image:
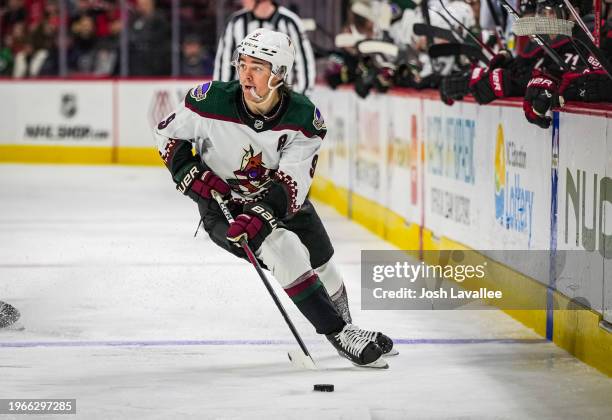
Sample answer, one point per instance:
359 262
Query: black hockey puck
8 314
324 387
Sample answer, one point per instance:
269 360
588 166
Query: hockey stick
578 20
423 29
426 18
466 29
462 40
373 46
455 48
541 25
347 40
303 359
538 39
587 41
501 41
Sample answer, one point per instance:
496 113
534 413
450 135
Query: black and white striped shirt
283 20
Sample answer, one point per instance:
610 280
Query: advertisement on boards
450 171
584 205
58 113
403 186
518 190
143 104
370 171
338 109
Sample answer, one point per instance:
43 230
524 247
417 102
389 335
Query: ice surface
126 312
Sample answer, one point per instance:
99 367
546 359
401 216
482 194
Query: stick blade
301 361
346 40
537 25
370 46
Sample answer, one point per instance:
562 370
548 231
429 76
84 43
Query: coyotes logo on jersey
252 175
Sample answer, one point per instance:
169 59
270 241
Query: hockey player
8 314
267 14
549 87
256 144
535 75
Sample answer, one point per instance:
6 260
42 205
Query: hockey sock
340 300
314 303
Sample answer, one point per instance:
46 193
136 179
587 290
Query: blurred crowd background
178 38
547 52
123 37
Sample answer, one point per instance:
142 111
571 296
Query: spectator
15 14
196 60
108 20
83 51
17 41
81 7
266 14
149 41
35 11
6 57
89 53
44 58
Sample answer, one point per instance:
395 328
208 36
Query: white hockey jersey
248 151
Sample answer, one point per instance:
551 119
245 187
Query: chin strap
261 105
272 89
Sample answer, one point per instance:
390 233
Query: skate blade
301 361
393 352
380 363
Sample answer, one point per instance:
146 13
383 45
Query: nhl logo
258 124
68 107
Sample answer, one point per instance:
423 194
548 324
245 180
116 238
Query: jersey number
313 165
571 59
165 123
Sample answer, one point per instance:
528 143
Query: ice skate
360 350
384 342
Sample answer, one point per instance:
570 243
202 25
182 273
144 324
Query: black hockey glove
198 182
486 86
588 86
541 96
503 59
338 70
255 224
365 77
384 79
404 76
431 81
454 87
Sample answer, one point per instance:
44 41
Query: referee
267 14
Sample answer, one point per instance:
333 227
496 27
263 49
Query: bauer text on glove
542 95
198 182
254 225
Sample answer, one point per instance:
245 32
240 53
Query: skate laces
352 339
370 335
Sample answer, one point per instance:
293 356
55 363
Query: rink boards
428 176
416 172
